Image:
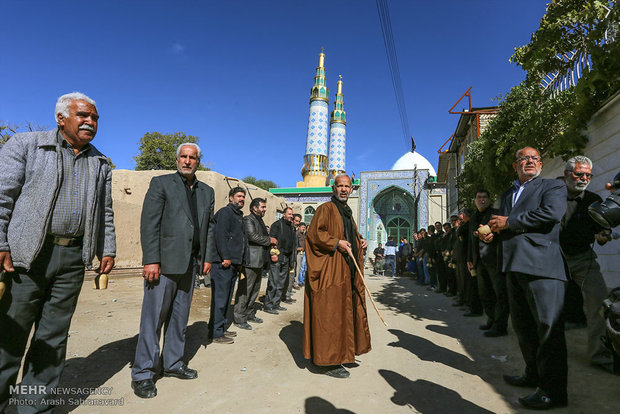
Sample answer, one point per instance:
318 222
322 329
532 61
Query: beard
576 186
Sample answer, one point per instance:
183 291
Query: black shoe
223 340
494 333
144 389
255 319
289 301
337 371
230 334
521 381
470 314
458 304
271 311
449 294
539 400
280 308
184 372
486 326
244 325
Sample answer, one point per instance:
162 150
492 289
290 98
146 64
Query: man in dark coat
228 256
176 229
284 232
529 226
258 256
335 314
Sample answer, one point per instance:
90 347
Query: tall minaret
338 135
314 170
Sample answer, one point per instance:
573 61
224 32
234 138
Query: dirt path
429 360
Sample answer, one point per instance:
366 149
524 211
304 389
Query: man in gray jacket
55 217
249 287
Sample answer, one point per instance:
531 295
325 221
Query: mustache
87 128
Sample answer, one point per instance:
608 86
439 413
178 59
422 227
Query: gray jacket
258 241
30 176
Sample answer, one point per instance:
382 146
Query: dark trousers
278 273
461 273
536 311
451 280
247 292
494 295
390 263
442 274
166 304
45 296
222 286
472 298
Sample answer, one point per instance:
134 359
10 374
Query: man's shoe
458 304
297 287
289 301
486 326
230 334
539 400
494 333
184 372
521 381
223 340
271 311
243 325
470 314
336 371
144 388
280 308
255 319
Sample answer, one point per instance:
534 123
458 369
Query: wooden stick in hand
366 286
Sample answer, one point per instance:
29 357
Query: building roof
412 160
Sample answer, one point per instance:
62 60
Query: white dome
413 160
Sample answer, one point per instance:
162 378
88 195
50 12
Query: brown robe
335 319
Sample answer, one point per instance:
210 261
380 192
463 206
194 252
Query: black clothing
190 192
231 241
479 250
405 251
578 228
284 232
379 252
350 232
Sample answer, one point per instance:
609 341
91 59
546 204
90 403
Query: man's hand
206 268
498 223
609 187
6 263
470 265
106 265
274 241
603 236
274 258
151 272
364 243
226 263
344 246
487 238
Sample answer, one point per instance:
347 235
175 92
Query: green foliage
264 184
530 116
159 151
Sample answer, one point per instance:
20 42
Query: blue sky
238 74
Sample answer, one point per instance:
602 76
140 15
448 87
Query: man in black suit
529 226
258 256
228 255
176 229
283 231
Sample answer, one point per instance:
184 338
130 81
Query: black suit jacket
166 229
258 241
532 243
231 242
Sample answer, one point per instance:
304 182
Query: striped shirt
69 210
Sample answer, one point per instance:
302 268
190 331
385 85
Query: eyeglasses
582 174
534 158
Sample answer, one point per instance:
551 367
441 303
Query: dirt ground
429 360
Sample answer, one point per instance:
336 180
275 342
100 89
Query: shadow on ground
317 405
291 335
427 397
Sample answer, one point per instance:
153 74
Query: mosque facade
394 202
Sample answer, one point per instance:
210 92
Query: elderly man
258 256
176 228
335 314
578 233
55 217
284 232
529 226
228 255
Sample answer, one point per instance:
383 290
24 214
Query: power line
390 50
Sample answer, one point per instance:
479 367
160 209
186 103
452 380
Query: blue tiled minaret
314 170
338 136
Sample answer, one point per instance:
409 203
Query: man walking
258 256
335 314
390 255
176 228
55 217
284 232
228 255
529 222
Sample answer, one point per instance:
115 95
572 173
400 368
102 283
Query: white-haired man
55 217
175 229
578 233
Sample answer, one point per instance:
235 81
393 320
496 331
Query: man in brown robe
335 313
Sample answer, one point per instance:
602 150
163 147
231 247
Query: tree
264 184
158 151
7 130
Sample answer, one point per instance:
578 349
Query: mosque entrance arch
394 212
399 227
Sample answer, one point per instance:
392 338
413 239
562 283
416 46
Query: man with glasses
529 230
576 238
